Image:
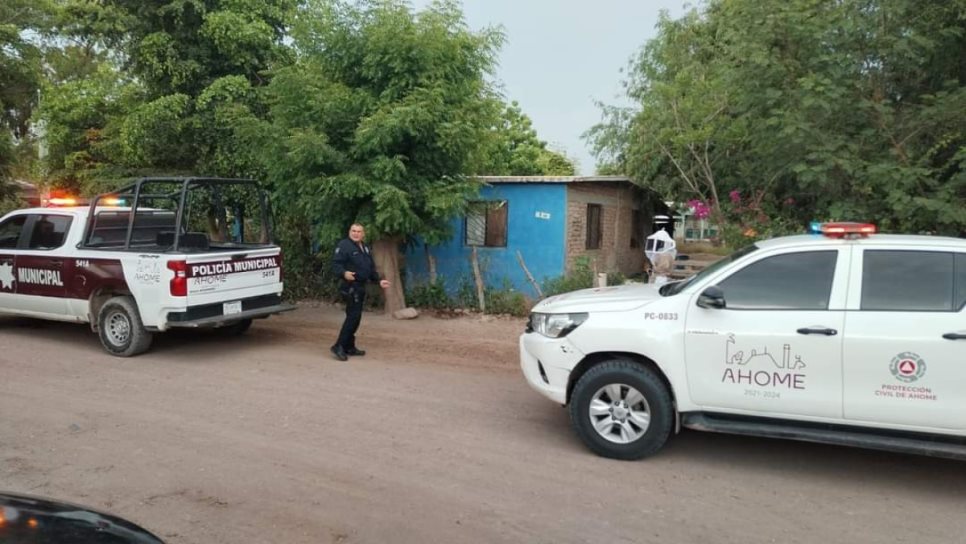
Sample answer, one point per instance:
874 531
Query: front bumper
547 363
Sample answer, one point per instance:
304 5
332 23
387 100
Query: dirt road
432 437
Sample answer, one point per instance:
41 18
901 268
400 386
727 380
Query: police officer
354 266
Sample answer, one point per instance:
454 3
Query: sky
562 56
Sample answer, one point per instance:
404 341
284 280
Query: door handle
954 336
817 330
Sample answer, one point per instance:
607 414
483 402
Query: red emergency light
847 230
59 198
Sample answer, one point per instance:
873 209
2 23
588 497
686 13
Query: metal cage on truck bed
163 216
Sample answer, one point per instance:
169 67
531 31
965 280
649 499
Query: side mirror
712 297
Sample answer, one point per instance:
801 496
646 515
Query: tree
85 101
21 22
811 109
187 80
379 121
515 150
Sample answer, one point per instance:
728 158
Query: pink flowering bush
744 219
700 209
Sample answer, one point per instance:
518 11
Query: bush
616 278
745 219
10 204
307 274
581 277
429 295
507 301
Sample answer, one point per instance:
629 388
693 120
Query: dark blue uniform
352 257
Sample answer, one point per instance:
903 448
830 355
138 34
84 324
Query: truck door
776 345
11 233
905 338
42 269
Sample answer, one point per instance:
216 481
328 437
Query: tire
120 328
236 328
620 430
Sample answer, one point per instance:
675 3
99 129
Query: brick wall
617 204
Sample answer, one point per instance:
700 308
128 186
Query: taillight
179 283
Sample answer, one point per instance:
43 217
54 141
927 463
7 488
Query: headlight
556 325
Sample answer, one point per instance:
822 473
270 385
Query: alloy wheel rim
619 413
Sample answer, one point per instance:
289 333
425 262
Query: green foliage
7 158
506 301
9 204
466 296
581 277
21 23
513 149
20 61
82 115
853 109
186 101
747 219
429 295
616 278
306 275
503 300
379 119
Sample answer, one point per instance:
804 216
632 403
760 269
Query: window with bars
486 224
594 220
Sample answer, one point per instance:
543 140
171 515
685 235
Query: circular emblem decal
908 367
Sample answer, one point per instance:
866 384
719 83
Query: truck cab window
10 231
49 232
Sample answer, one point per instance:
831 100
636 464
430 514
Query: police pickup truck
160 254
845 337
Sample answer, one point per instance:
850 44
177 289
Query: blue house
544 223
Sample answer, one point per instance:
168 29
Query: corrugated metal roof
554 179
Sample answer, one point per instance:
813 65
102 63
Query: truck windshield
671 289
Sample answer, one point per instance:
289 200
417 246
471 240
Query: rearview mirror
712 297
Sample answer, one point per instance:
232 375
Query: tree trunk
386 254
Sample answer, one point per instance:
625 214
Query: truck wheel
237 328
120 328
622 410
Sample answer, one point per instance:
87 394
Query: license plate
230 308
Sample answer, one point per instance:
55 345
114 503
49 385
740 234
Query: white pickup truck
844 337
195 252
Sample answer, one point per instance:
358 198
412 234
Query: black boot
339 353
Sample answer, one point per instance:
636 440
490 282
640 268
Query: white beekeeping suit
661 251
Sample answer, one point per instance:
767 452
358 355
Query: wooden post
479 281
431 263
533 282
